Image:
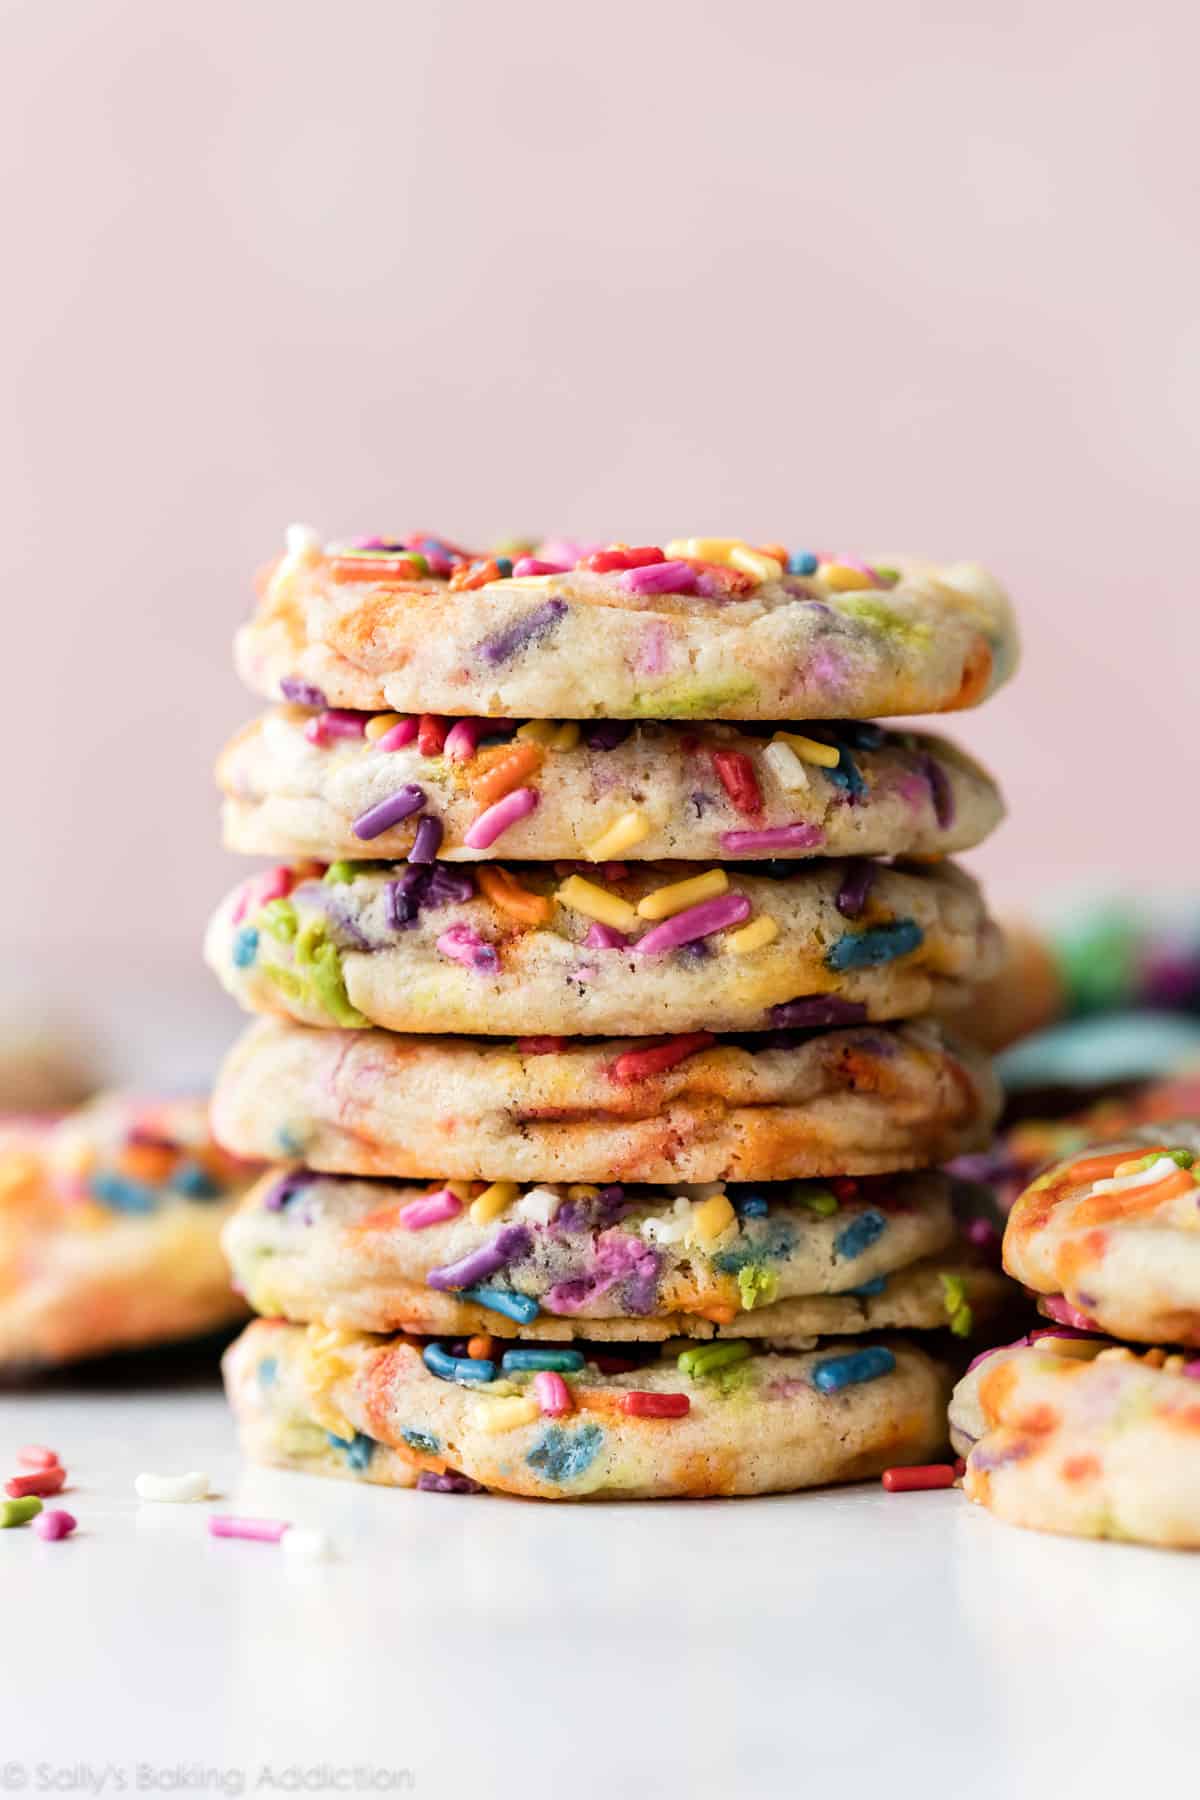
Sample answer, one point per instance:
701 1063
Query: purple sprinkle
449 1483
535 625
301 693
941 793
508 1246
428 840
447 886
404 898
817 1009
857 881
604 937
389 812
286 1189
619 1257
606 734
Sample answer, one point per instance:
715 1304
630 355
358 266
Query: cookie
1081 1437
1111 1236
379 1256
647 1426
856 1101
110 1228
524 949
705 629
300 783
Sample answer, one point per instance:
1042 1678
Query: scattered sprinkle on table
192 1486
263 1531
42 1482
919 1477
36 1456
54 1525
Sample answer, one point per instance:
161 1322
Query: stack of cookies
597 1013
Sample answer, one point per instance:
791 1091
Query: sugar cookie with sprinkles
646 947
632 1262
1072 1434
1109 1238
689 1108
574 1424
327 784
110 1224
698 628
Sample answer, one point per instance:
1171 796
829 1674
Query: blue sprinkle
563 1362
751 1206
520 1307
847 775
268 1371
860 1234
861 735
439 1362
122 1194
847 1371
504 564
802 562
190 1179
561 1455
879 944
359 1449
868 1288
245 947
421 1440
290 1144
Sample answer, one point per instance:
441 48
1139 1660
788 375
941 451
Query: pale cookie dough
858 1101
296 783
1111 1235
1078 1436
842 642
514 949
379 1256
110 1228
367 1408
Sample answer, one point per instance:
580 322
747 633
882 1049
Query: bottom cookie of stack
579 1422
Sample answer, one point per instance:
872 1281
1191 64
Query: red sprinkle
636 1065
36 1456
914 1480
655 1406
960 1467
431 735
845 1187
42 1482
737 776
621 556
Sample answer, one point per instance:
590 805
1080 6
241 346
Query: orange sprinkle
474 575
372 568
147 1162
1130 1203
479 1349
511 769
1101 1168
1081 1468
505 892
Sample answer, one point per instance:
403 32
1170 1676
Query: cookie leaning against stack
636 1229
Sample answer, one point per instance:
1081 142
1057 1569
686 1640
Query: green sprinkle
286 980
312 937
279 918
756 1285
822 1201
958 1310
708 1358
19 1512
692 700
1184 1158
963 1322
339 872
330 984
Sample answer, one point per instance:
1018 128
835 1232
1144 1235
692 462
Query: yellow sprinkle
493 1201
506 1415
840 578
712 550
621 835
538 731
582 1190
566 737
712 1218
753 936
528 581
597 903
810 750
755 563
375 728
785 765
664 902
460 1189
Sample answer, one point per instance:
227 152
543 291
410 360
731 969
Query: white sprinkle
1158 1171
674 1227
302 541
786 766
192 1486
300 1540
539 1205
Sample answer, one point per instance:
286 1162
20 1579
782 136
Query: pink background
864 277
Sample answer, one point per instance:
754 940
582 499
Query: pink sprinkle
335 722
54 1525
530 565
605 937
398 736
263 1531
777 837
462 740
552 1393
276 884
660 578
652 650
1057 1306
430 1209
36 1456
496 820
463 944
1192 1369
696 922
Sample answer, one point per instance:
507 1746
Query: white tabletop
846 1643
